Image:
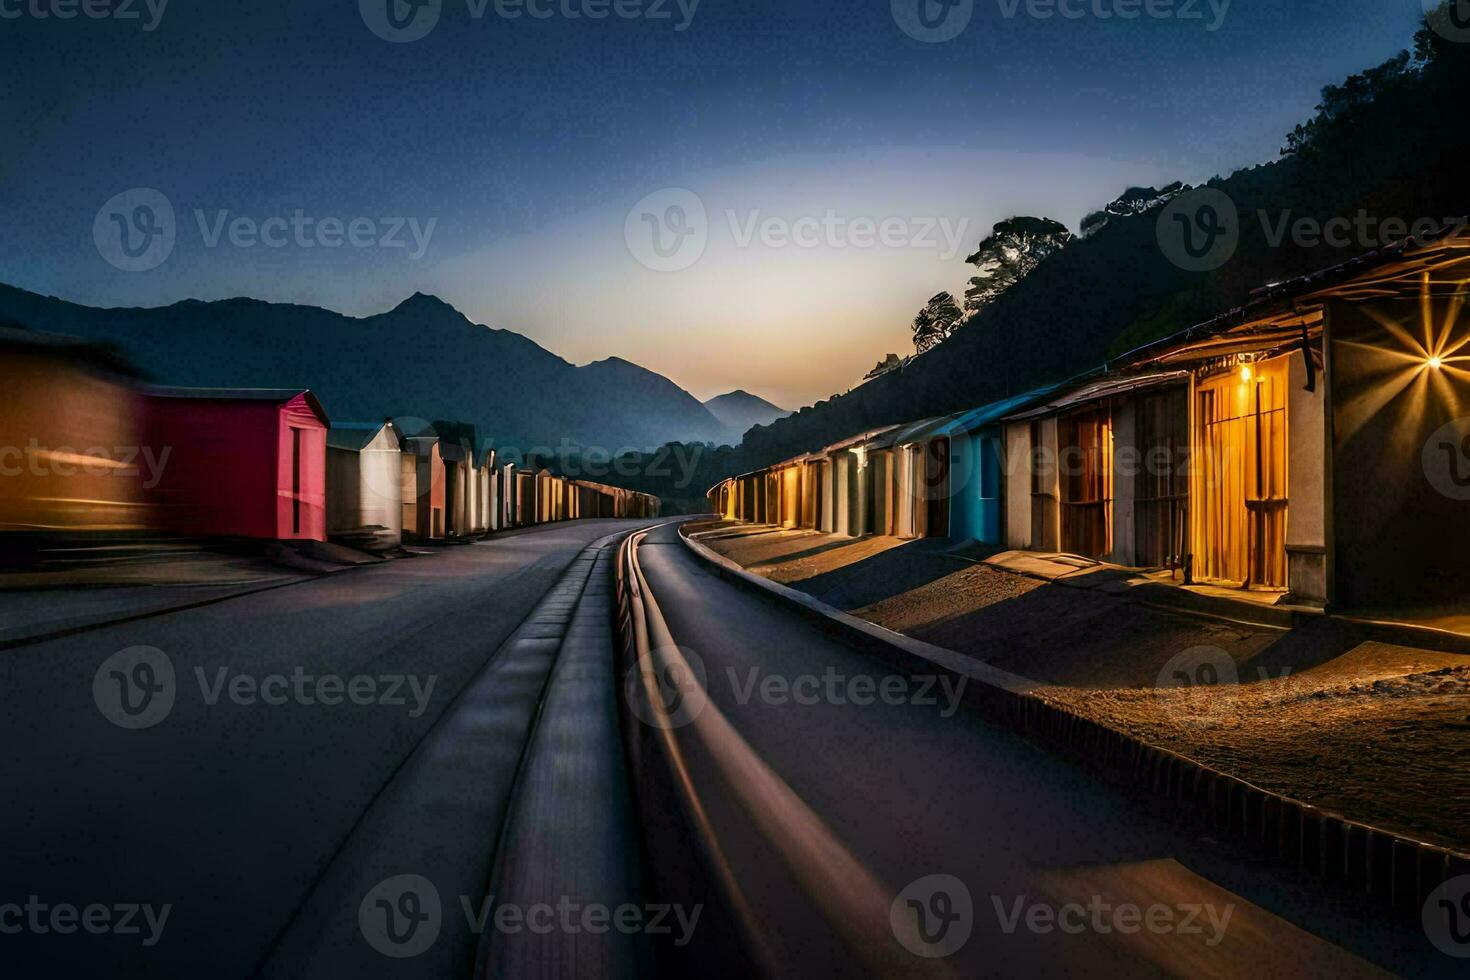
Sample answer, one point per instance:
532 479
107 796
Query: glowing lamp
1435 362
1246 374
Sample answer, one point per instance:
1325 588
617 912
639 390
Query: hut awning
978 418
356 435
901 435
1098 390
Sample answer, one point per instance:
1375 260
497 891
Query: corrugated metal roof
851 441
356 435
1099 390
977 418
227 394
277 395
1449 243
901 435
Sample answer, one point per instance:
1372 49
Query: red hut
243 462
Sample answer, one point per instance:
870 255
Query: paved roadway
232 812
261 826
880 796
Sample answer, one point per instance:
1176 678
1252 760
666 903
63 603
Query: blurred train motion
89 450
70 432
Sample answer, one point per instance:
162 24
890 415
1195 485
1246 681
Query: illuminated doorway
1240 476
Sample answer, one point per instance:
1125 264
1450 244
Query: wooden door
936 488
1085 445
1043 500
1240 477
1162 494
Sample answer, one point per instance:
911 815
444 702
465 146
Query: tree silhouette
1135 200
1015 247
889 363
936 321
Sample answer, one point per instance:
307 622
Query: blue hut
975 497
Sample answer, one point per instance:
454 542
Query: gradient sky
529 140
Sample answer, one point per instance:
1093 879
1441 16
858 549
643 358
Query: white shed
364 485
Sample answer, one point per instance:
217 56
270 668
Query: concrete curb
444 811
571 808
1393 870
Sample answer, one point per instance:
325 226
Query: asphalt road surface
1047 870
255 784
449 717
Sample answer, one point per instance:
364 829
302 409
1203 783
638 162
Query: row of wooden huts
403 479
1314 443
85 447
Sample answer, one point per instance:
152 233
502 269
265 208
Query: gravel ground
1377 732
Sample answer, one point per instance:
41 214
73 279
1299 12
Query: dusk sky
527 141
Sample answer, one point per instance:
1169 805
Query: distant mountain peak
741 395
739 411
424 359
425 303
